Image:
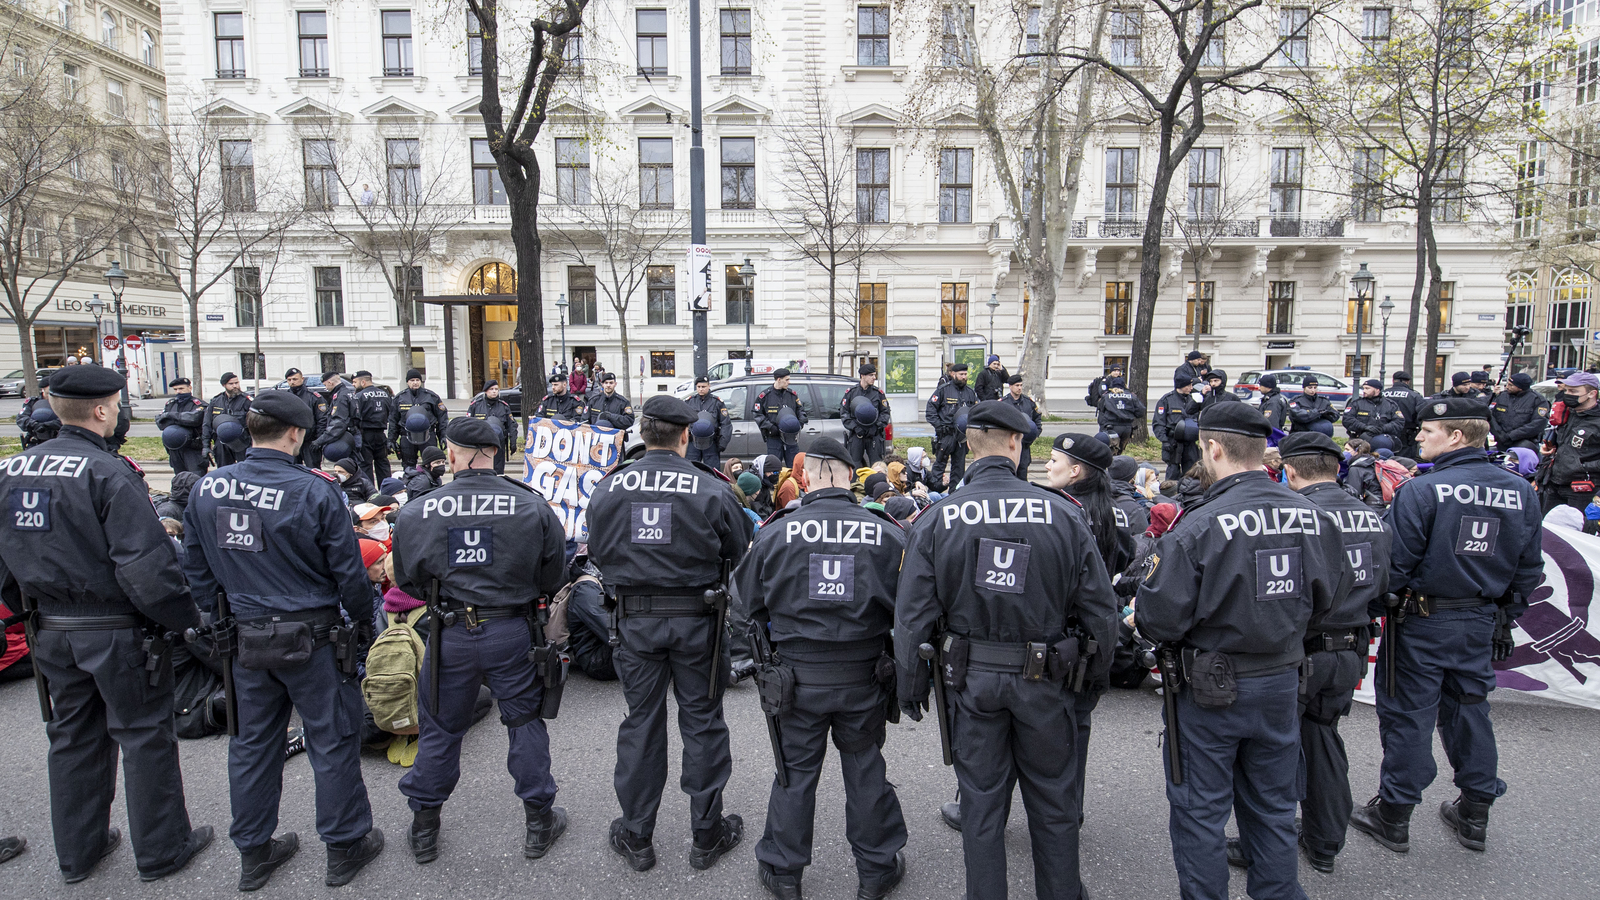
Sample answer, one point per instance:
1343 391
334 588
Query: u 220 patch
1278 575
1477 536
833 578
1002 566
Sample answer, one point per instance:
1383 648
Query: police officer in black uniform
775 406
374 406
1003 577
1372 415
665 531
1461 386
1167 425
1466 557
1575 446
36 420
294 381
1518 415
559 402
865 411
712 429
81 544
1196 364
229 406
1231 589
608 407
489 550
1409 401
947 411
490 408
275 539
1025 405
415 400
341 428
1311 408
820 582
1274 406
1118 410
185 413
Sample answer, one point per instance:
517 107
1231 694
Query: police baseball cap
994 414
608 377
1235 418
413 373
669 409
867 369
89 383
285 407
1459 378
828 448
469 432
1454 408
226 377
1085 449
362 373
431 455
1015 379
959 367
291 373
781 373
1269 381
1522 380
1309 381
179 381
1307 443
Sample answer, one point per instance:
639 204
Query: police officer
1310 409
1196 364
1460 386
1409 401
275 539
820 581
1466 556
294 381
415 400
341 427
1336 647
1372 415
711 417
82 546
229 406
558 403
780 415
866 414
665 531
183 413
1274 406
489 550
374 407
1101 384
1118 411
1518 415
1169 425
1231 589
36 420
1576 446
608 407
1481 387
1011 569
490 408
947 411
1025 405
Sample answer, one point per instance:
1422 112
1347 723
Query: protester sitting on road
371 522
177 496
732 466
352 483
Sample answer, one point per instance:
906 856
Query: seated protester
767 468
1522 461
748 489
174 530
902 508
732 467
864 488
355 487
15 662
791 483
919 468
177 496
1273 463
428 475
1147 481
1188 488
371 523
1409 464
395 488
1361 478
882 493
588 621
1131 508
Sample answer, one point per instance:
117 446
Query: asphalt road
1542 843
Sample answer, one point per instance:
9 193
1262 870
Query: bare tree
257 267
1210 215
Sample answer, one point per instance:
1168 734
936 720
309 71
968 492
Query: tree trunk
833 272
1150 272
530 294
1413 316
405 318
1435 376
257 363
30 366
194 325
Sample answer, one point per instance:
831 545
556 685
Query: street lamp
993 304
1386 308
117 280
561 309
97 308
1362 281
747 274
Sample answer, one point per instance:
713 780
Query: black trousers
1024 463
864 451
1179 459
949 448
1325 801
410 453
187 460
1554 495
375 455
104 703
225 456
711 456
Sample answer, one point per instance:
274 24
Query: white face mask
380 531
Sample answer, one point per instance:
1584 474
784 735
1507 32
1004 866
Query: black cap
1459 378
701 379
994 414
1123 468
469 432
331 376
413 373
291 373
1194 355
959 367
1269 381
873 480
781 373
828 448
1085 449
431 454
557 378
1453 408
667 408
608 377
1402 376
1183 381
1480 377
1372 383
867 369
1015 379
177 381
490 383
362 373
92 383
226 377
1236 418
1310 380
1307 443
285 407
1522 380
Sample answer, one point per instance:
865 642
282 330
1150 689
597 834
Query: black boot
1469 818
1322 862
951 812
784 887
711 843
545 826
257 864
424 836
637 849
1236 857
1388 823
345 860
198 840
879 888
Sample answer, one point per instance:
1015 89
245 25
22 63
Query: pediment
308 110
653 109
873 115
571 109
958 116
737 108
226 112
393 109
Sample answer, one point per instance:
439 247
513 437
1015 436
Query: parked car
1335 388
13 384
735 368
820 395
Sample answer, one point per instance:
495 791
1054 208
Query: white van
734 368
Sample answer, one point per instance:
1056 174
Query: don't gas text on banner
564 461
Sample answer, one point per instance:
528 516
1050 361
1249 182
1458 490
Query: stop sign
133 341
109 342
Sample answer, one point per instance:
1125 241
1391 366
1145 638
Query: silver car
13 384
820 395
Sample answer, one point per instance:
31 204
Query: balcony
1208 227
1293 226
1121 227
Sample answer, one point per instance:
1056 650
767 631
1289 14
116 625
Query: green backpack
394 672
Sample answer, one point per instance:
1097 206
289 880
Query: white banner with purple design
563 461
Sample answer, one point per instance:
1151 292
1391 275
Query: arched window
147 47
493 278
1568 317
108 29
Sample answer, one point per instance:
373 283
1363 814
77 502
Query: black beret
557 378
413 373
1522 380
781 373
959 367
867 369
177 381
608 377
469 432
1015 379
490 383
363 373
92 383
431 454
1459 378
702 379
1085 449
1453 408
331 376
226 377
668 409
1307 443
994 414
291 373
1123 468
1310 380
828 448
1402 376
285 407
1237 418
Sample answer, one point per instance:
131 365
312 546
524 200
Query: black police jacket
1128 507
340 422
1275 406
374 407
1191 370
713 404
1409 402
1366 548
880 402
487 540
1167 422
34 432
1577 441
499 411
559 406
223 405
1304 411
1119 409
1243 571
1367 418
947 403
1027 407
423 401
823 571
316 402
614 410
275 537
769 407
1001 560
185 411
661 521
80 537
1515 417
1466 528
990 385
1452 393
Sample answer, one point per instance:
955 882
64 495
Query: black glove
912 709
1503 642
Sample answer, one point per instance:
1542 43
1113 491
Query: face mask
380 531
437 471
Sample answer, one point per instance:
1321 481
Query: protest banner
563 461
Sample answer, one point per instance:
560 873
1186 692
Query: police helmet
1382 442
789 427
961 421
703 430
1324 426
44 415
865 412
231 433
1191 431
173 437
1033 433
417 428
338 450
499 430
1103 437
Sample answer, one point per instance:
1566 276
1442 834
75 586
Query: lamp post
747 274
1362 281
697 181
97 308
993 304
117 280
561 310
1386 308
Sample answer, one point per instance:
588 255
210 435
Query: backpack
394 672
1390 476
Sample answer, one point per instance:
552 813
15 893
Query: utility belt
1426 604
86 623
157 642
832 663
473 616
283 640
1064 660
671 603
1331 641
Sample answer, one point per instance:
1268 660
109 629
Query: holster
885 672
953 652
156 650
1063 660
1212 683
345 649
551 665
775 685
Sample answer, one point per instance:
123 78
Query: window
735 25
1456 36
397 42
330 296
953 308
313 44
663 364
487 188
1354 311
1366 185
1584 193
238 176
64 13
955 186
572 170
872 316
1570 12
739 299
1294 33
1197 307
1030 36
155 111
954 50
1526 208
661 304
71 80
1205 182
252 366
1030 178
121 175
108 29
1119 307
1449 191
1287 181
230 44
738 173
655 173
581 308
116 99
409 287
733 398
1122 183
1588 72
492 278
474 44
1213 54
247 298
322 183
1127 24
147 47
1351 362
19 63
872 35
404 160
1447 303
1375 30
1568 316
1280 307
572 51
75 168
1519 301
37 242
652 30
872 185
331 362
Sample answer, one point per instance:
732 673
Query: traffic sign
700 268
1597 336
133 341
109 342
